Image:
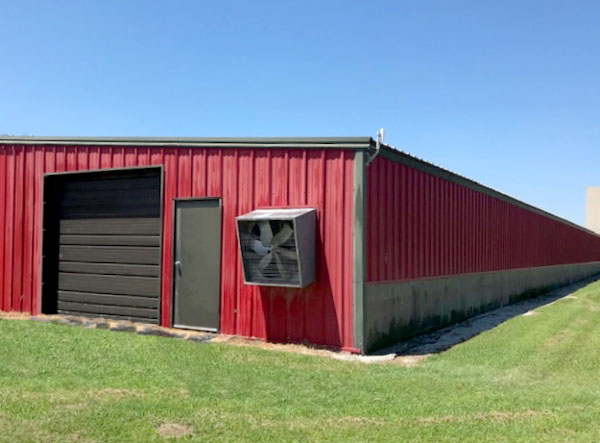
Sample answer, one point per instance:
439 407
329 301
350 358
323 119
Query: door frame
172 260
46 177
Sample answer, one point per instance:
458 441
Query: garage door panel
110 268
111 225
107 211
92 185
110 240
108 244
78 197
110 254
99 310
108 299
109 284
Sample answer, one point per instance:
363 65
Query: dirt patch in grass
174 430
303 349
15 315
495 416
77 437
74 406
115 393
556 339
409 361
357 421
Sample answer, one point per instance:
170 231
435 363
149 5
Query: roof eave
355 143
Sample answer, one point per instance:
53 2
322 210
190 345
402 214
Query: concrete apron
397 311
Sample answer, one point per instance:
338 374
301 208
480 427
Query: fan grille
269 252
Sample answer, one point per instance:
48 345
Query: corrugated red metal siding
420 226
245 179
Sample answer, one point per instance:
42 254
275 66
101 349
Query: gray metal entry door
197 264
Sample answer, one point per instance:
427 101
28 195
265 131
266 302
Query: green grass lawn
532 378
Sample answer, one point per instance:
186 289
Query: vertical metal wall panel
245 204
38 171
229 180
420 223
17 268
169 193
245 179
435 227
8 228
410 217
277 296
334 176
262 198
388 192
382 183
315 326
369 239
396 223
346 266
426 224
416 222
436 249
403 213
28 201
296 197
3 222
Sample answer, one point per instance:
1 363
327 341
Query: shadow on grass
445 338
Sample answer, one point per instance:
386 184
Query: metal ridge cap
481 187
343 142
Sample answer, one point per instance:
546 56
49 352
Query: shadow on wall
445 338
305 315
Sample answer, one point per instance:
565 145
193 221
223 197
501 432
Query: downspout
378 143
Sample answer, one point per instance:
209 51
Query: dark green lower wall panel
401 310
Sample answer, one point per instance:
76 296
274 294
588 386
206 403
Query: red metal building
379 227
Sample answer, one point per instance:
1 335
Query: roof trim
355 143
429 168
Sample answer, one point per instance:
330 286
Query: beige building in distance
592 208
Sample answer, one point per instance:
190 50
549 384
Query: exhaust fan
278 246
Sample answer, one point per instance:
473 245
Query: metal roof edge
398 156
355 143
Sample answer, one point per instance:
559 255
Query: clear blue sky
504 92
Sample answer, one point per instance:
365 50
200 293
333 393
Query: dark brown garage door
106 239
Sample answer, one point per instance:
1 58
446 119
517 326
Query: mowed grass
533 378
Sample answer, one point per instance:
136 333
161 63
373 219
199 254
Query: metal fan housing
277 246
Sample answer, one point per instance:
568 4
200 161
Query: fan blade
290 255
259 248
280 267
282 236
265 261
266 233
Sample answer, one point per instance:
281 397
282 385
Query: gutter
354 143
